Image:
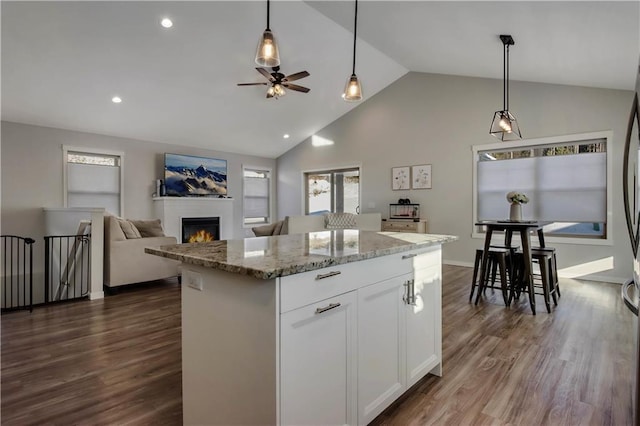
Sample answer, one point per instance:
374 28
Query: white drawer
310 287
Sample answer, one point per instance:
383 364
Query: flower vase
515 213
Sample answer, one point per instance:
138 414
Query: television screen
189 176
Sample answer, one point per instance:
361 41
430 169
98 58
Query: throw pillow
278 229
340 221
130 231
149 228
263 231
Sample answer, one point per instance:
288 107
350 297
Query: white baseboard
457 263
598 278
94 295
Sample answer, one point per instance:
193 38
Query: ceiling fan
279 81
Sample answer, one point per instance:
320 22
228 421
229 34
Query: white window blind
561 188
93 180
256 197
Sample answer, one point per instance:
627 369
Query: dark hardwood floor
117 361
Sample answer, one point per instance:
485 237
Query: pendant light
353 89
267 54
504 125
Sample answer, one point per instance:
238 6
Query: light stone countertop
281 255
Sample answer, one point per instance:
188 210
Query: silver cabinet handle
327 308
410 298
627 300
408 256
413 292
327 275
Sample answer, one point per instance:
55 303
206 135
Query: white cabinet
424 325
381 348
399 334
331 346
317 363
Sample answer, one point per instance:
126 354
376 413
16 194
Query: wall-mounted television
190 176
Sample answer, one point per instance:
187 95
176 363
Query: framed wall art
421 176
400 178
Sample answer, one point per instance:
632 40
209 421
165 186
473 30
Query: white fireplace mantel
171 210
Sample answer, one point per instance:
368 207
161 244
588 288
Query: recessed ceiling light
286 136
116 99
166 22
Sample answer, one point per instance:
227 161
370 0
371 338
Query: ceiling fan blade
296 76
252 84
265 73
296 87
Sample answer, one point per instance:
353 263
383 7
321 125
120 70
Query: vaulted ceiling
62 62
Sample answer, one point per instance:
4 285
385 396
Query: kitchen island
320 328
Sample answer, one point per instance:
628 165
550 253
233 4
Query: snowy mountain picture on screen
189 176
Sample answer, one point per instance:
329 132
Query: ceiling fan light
267 54
353 89
505 126
278 90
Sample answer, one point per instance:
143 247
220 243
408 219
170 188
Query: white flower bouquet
517 197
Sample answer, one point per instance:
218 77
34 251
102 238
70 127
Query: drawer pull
327 308
408 256
327 275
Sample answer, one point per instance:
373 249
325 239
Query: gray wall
435 119
32 165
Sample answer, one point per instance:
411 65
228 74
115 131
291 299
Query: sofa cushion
278 229
149 228
340 221
263 231
129 229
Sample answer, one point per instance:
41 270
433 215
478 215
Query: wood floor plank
118 361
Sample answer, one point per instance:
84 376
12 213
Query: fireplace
200 229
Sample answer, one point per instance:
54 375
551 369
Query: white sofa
125 261
314 223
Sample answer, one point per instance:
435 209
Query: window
566 180
336 191
93 178
256 198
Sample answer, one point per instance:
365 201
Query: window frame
270 220
539 142
330 170
66 149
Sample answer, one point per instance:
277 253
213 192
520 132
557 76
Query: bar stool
554 269
544 258
497 261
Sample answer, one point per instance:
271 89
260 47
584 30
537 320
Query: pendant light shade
353 89
504 125
267 54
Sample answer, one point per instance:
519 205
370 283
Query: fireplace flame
201 236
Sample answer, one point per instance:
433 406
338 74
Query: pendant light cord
355 32
504 77
507 83
268 15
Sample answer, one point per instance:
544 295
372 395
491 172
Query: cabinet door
317 363
381 346
424 325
